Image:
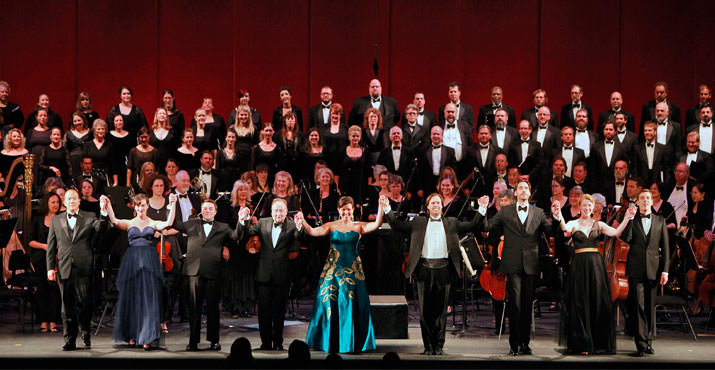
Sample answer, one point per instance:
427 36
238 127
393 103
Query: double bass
615 258
494 283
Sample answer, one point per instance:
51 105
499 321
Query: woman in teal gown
341 321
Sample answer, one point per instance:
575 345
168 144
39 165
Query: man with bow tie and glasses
569 111
423 117
319 114
435 158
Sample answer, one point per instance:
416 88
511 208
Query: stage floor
478 344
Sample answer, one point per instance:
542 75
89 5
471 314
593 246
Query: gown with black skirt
140 286
587 321
341 320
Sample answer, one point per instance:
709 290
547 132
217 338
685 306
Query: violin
164 247
494 282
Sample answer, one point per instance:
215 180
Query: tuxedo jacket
486 116
388 108
489 168
609 190
696 128
73 250
702 168
568 118
273 260
315 117
692 115
661 163
429 119
673 137
417 229
204 253
648 253
669 186
466 113
510 135
552 141
416 140
592 140
533 158
648 112
465 133
212 193
599 165
521 241
610 115
629 143
530 115
406 162
447 159
577 156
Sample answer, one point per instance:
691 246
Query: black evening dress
121 147
132 121
164 147
230 169
75 146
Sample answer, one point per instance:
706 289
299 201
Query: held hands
52 275
384 202
556 209
298 219
173 198
631 212
225 254
483 201
104 202
243 214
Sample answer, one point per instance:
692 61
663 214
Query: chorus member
13 148
54 161
284 188
335 137
700 212
88 202
649 111
263 188
487 113
434 258
661 207
267 151
692 115
286 96
122 143
187 154
53 119
290 140
354 169
452 201
667 130
704 129
48 293
699 162
434 159
146 173
341 321
385 104
69 262
464 111
416 135
312 152
75 138
569 112
11 112
138 309
38 136
208 176
134 118
398 199
244 101
102 153
325 197
425 118
171 169
279 240
374 137
522 225
84 106
247 135
176 117
140 154
616 103
319 115
162 136
204 135
572 209
228 162
250 178
539 99
588 325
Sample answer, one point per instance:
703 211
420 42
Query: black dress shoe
427 351
524 349
649 350
69 346
192 347
513 352
278 348
439 352
216 346
87 341
638 353
264 347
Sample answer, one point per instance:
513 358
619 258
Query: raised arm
610 231
372 226
556 214
321 230
392 219
120 224
161 225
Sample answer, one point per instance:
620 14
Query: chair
668 304
22 286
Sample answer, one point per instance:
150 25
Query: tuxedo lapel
78 223
282 233
668 132
529 219
443 157
268 231
65 226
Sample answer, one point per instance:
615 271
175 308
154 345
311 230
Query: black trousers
200 288
520 295
77 305
641 310
272 299
433 287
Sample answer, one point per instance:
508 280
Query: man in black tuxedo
648 255
70 262
457 135
396 157
385 104
699 162
319 115
464 111
692 115
415 136
607 152
568 111
677 191
568 151
648 112
504 135
279 244
207 174
540 99
188 205
584 138
435 259
615 187
547 135
522 225
488 112
705 130
525 152
203 270
88 173
627 138
651 159
425 118
484 154
616 101
668 132
581 179
435 159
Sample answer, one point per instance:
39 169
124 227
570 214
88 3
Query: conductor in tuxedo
522 225
203 270
647 266
279 241
434 259
70 262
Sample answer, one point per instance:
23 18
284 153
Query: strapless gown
139 282
341 319
588 322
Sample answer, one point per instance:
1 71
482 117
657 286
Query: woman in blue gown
137 313
341 319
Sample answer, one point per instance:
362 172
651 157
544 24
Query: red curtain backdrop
215 48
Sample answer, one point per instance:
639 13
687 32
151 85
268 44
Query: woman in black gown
244 101
75 138
228 162
247 135
286 96
290 140
162 137
335 138
662 207
267 152
54 161
354 170
88 202
187 154
122 143
84 106
312 152
588 324
102 152
204 135
176 117
140 154
374 137
215 125
38 137
134 117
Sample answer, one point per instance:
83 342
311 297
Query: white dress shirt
646 223
662 135
567 154
326 114
609 152
276 232
524 151
207 228
435 244
206 178
621 136
376 104
541 134
421 118
436 158
677 198
522 214
619 191
185 205
583 142
692 157
484 152
500 138
452 139
396 157
650 153
706 138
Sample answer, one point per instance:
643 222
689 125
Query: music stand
6 229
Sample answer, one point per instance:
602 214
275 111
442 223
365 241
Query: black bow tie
695 152
496 107
662 123
184 196
500 128
431 219
679 188
205 172
609 141
375 100
620 183
484 146
71 215
575 106
208 222
457 105
645 216
622 132
451 125
568 147
325 106
277 224
525 141
87 177
706 125
522 208
412 127
542 127
650 145
580 130
437 146
395 148
421 113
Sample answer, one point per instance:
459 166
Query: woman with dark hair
374 137
140 154
54 161
134 117
286 96
84 106
176 117
87 200
48 293
244 101
312 152
53 119
162 137
137 312
102 152
335 137
700 213
267 152
215 124
185 155
122 143
290 140
662 207
228 162
75 138
452 201
341 320
171 169
38 137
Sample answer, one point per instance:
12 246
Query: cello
616 257
164 248
494 283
